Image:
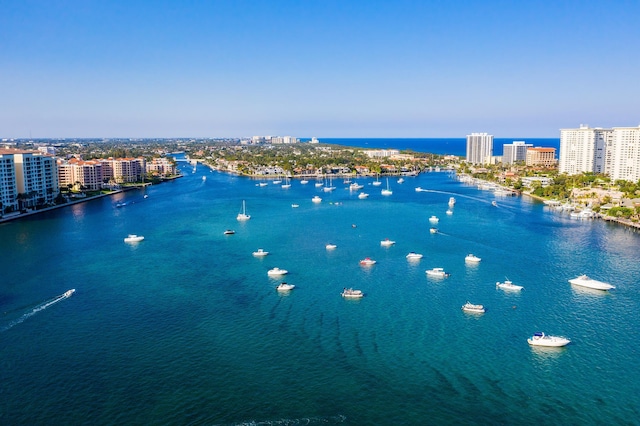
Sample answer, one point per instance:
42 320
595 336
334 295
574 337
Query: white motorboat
472 258
541 339
414 256
367 262
304 182
243 214
387 191
494 204
277 182
363 195
277 271
470 307
229 232
585 281
433 230
68 293
133 238
295 206
330 246
319 184
437 272
263 184
355 186
316 199
401 180
418 189
260 253
434 219
449 212
204 178
452 201
285 287
508 285
351 293
387 242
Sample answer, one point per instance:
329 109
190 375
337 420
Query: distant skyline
332 69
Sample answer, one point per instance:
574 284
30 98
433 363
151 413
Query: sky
323 68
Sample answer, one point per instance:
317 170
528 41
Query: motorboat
585 281
452 201
387 242
363 195
449 212
243 214
470 307
316 199
401 180
277 271
367 262
229 232
541 339
433 230
434 219
355 186
133 238
285 287
263 184
494 204
351 293
418 189
295 206
277 182
472 258
204 178
319 184
414 256
508 285
330 246
68 293
260 253
437 272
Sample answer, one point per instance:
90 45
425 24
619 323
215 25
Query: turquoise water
187 328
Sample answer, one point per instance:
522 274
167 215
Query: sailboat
286 183
387 191
330 187
377 181
243 215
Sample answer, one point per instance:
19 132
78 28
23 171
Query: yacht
330 246
508 285
471 258
470 307
367 262
133 238
243 214
316 199
585 281
414 256
351 293
387 242
285 287
437 272
434 219
260 253
452 201
355 186
541 339
277 271
363 195
229 232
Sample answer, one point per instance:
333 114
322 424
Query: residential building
8 186
81 175
161 166
479 148
124 170
34 181
515 152
543 157
381 153
623 154
583 150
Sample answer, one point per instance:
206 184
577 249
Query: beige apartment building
27 178
541 157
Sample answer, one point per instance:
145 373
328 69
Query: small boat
414 256
472 258
387 242
401 180
277 271
68 293
351 293
437 272
204 178
319 184
387 191
133 238
260 253
367 262
363 195
146 196
285 287
355 186
508 285
243 214
585 281
377 182
418 189
433 230
277 182
452 201
316 199
449 212
470 307
541 339
494 204
330 246
295 206
304 182
434 219
229 232
263 184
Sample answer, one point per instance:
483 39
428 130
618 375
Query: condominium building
381 153
124 170
27 178
80 174
623 154
583 150
479 148
543 157
161 166
8 186
515 152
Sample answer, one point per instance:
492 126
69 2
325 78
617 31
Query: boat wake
41 307
331 420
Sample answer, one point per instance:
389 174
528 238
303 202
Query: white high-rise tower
479 148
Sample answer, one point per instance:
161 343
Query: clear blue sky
320 68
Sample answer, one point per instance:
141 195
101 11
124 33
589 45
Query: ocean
187 328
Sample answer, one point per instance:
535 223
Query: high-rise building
545 157
479 148
583 150
28 178
623 154
514 152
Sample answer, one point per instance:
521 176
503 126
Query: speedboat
295 206
363 195
449 212
433 230
387 242
355 186
285 287
471 258
133 238
434 219
260 253
509 286
585 281
263 184
367 262
68 293
351 293
470 307
277 271
437 272
401 180
494 204
316 199
304 182
229 232
452 201
541 339
414 256
330 246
